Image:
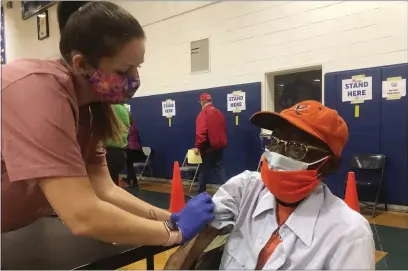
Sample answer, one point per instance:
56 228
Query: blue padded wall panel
330 90
170 144
382 127
364 131
394 140
330 100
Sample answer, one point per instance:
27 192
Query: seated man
284 217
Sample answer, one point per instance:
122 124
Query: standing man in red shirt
211 139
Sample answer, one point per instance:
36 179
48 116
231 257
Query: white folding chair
147 151
260 161
189 168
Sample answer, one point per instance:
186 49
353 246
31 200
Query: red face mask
289 186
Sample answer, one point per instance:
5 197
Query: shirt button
261 241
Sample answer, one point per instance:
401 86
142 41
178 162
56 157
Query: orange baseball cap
312 117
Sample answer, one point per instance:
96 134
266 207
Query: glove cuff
174 217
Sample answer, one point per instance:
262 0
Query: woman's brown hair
96 30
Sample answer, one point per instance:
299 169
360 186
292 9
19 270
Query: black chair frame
370 162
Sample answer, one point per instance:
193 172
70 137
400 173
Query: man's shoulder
217 110
246 184
336 215
251 178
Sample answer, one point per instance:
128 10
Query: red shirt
211 130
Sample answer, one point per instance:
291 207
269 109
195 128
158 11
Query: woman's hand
197 213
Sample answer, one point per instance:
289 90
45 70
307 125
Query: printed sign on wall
169 109
357 89
236 101
394 88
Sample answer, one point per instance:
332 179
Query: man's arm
357 254
227 200
201 131
107 191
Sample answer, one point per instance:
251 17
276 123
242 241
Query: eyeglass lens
293 149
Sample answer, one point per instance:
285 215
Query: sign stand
236 103
237 116
169 109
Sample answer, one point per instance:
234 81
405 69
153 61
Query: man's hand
196 151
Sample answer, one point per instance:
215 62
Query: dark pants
116 158
212 160
133 156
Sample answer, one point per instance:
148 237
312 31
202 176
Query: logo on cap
300 107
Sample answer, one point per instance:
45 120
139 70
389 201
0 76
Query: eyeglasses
293 149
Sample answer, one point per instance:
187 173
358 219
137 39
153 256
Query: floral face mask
114 88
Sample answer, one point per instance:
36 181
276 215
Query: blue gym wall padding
394 139
380 128
170 144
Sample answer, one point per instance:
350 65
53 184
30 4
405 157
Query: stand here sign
236 101
169 108
358 88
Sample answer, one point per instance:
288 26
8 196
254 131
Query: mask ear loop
324 159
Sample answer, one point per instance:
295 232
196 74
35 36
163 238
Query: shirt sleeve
356 255
39 130
227 201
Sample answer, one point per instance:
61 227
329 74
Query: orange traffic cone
177 201
351 198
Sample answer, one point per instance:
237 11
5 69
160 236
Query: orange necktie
282 214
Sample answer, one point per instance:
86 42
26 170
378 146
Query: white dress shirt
321 233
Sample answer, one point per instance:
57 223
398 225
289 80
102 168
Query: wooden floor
390 219
159 262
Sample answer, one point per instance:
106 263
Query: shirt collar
303 219
266 201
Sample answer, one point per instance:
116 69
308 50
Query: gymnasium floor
390 231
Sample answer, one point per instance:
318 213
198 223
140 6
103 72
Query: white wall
21 35
248 39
